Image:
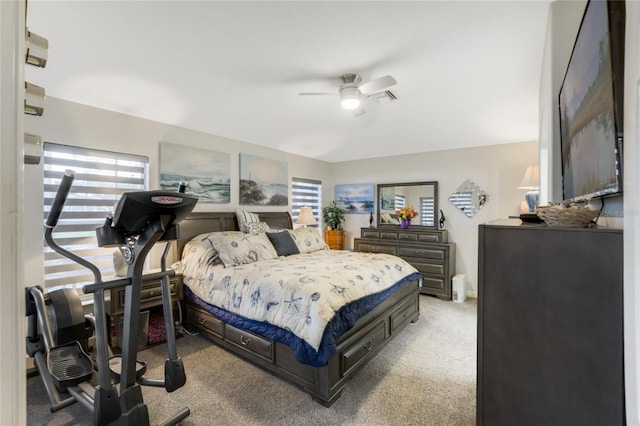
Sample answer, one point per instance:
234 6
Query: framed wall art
206 172
263 182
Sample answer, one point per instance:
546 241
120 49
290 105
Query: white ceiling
468 72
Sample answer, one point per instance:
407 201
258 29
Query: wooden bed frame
355 348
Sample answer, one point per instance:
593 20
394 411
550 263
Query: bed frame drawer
408 311
357 353
205 320
253 343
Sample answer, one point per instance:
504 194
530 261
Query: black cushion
283 243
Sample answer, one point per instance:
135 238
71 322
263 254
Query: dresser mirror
422 196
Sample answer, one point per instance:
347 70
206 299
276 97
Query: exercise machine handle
61 198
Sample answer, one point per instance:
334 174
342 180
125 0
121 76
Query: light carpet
426 376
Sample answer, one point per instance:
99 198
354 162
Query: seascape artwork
206 172
355 198
263 182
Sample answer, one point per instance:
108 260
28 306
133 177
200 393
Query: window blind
306 192
427 213
100 179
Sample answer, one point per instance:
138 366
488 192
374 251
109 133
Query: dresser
550 326
427 250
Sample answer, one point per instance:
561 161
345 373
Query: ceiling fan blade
377 85
316 94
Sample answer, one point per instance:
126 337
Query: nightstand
150 298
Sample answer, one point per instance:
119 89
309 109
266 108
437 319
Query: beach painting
263 182
355 198
206 172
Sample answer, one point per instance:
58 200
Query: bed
321 362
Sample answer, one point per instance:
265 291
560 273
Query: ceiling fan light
350 98
350 103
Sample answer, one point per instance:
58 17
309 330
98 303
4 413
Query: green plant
333 216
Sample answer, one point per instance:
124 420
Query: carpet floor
427 376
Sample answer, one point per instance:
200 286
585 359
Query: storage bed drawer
250 342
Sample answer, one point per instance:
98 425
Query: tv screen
591 101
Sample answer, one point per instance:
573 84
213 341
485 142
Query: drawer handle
202 321
369 345
243 341
420 253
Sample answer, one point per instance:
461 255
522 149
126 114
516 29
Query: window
399 202
100 179
306 192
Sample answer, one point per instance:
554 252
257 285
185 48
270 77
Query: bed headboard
199 223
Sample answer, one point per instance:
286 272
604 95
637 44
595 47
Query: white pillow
245 217
308 240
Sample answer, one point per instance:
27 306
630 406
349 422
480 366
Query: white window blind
427 208
100 179
306 192
400 202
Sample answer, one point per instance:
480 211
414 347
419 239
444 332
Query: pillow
200 250
308 240
255 227
237 248
245 217
283 243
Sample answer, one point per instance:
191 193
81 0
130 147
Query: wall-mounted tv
591 103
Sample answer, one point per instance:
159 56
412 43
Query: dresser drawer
434 283
375 248
253 343
430 238
408 237
388 235
203 319
370 233
422 252
357 352
426 267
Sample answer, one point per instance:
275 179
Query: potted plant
333 216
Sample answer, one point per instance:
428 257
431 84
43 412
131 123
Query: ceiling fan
352 91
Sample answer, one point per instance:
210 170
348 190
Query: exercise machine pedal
69 365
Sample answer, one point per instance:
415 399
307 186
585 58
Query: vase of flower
405 215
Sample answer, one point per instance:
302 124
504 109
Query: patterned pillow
255 227
308 240
236 248
200 250
245 217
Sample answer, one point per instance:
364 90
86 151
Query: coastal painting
355 198
206 172
263 182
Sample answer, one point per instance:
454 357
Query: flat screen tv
591 103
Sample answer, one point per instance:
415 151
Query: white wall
80 125
497 169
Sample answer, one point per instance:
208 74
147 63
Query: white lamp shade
531 179
305 217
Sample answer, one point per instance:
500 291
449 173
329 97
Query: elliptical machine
139 221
